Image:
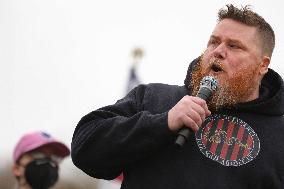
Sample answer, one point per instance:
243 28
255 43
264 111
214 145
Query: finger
203 104
190 123
199 109
196 113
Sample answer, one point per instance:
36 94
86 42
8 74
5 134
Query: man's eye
234 46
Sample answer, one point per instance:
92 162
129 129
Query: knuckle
190 123
198 120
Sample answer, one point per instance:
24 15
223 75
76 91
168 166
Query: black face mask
41 173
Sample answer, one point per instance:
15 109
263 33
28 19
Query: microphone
208 84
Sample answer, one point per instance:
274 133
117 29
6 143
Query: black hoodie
237 148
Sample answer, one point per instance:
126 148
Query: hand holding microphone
190 112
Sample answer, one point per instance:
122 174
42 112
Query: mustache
214 64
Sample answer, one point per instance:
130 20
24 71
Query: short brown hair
250 18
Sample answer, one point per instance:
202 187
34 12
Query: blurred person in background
36 160
237 134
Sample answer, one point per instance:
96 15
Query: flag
133 80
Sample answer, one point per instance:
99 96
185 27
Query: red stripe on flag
119 178
236 146
249 142
229 135
206 130
214 144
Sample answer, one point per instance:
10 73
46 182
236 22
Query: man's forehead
231 29
231 39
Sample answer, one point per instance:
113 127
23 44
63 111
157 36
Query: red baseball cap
34 140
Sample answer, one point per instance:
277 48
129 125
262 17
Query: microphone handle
184 133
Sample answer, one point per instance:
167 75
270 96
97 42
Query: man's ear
264 65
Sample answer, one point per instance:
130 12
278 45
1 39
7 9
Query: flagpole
137 55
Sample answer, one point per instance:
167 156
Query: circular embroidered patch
228 140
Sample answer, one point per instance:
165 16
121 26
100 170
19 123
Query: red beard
231 90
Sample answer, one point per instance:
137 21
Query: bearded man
237 135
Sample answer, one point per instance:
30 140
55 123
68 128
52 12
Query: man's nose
220 51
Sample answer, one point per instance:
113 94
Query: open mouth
216 68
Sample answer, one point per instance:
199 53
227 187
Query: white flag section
105 184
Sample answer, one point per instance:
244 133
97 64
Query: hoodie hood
271 97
